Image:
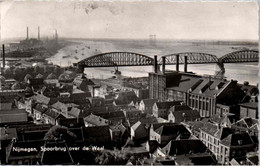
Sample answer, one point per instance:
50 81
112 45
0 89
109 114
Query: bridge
112 59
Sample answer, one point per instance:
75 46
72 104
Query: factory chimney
56 35
177 62
155 65
3 56
163 64
27 33
185 64
38 33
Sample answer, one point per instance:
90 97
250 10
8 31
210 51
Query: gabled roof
167 104
136 125
153 145
249 122
43 99
253 105
237 139
72 122
250 90
97 131
187 115
75 112
210 86
210 128
96 120
179 108
166 130
53 114
149 102
111 114
60 106
39 108
179 147
223 132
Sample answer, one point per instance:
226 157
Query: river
85 48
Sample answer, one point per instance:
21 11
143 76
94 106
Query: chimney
38 33
3 56
27 33
177 62
163 65
56 35
155 64
185 64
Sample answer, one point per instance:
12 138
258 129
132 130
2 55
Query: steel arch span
111 59
192 58
240 56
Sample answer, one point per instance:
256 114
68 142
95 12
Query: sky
131 20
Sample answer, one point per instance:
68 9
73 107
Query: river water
86 48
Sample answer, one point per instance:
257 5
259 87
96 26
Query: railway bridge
115 59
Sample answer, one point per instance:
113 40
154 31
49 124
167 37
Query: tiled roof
75 112
39 108
42 99
136 125
250 105
52 114
179 147
97 131
60 106
111 114
96 120
167 104
166 130
250 90
237 139
209 128
149 102
179 108
187 115
72 122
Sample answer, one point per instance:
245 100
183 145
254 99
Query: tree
37 69
8 73
57 70
39 76
2 79
27 77
51 76
28 92
16 85
60 132
18 73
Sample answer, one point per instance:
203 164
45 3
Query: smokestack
163 65
155 64
177 62
3 56
27 33
185 64
38 33
56 35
